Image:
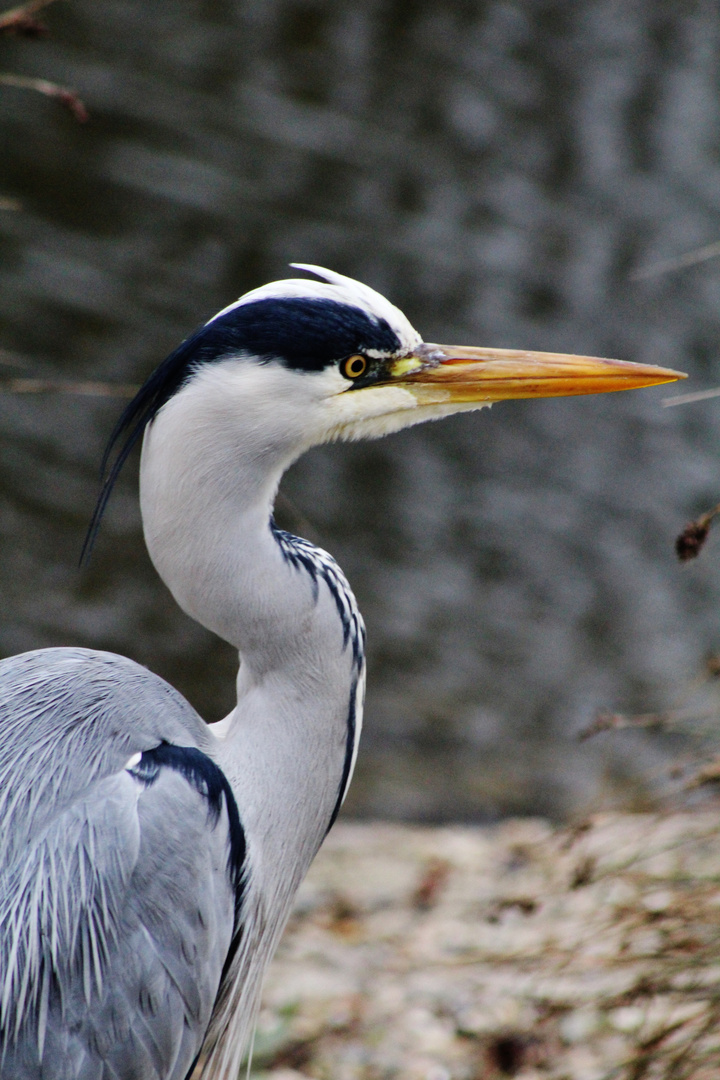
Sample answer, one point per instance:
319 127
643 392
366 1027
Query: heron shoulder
110 836
69 717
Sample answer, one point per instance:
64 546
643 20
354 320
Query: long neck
287 746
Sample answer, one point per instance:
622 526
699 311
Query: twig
708 774
687 399
665 266
20 20
678 1061
606 721
8 359
66 97
64 386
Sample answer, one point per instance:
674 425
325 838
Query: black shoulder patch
210 781
303 333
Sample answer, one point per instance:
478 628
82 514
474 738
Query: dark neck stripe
303 555
349 750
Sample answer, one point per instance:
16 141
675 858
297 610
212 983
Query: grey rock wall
501 171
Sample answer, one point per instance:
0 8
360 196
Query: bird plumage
148 861
109 962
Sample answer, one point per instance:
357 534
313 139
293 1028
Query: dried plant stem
20 19
690 541
64 386
66 97
679 262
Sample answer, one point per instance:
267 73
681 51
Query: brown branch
607 721
66 97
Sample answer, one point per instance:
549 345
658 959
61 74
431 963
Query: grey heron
148 860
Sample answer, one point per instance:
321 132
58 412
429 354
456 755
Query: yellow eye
354 366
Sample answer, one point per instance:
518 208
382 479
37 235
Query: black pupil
355 365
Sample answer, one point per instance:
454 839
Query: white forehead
337 287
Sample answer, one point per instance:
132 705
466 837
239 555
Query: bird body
106 954
148 860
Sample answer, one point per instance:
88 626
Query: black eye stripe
302 334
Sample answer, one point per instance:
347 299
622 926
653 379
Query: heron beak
437 374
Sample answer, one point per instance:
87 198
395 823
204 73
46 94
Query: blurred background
509 174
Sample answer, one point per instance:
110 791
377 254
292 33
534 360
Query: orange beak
458 373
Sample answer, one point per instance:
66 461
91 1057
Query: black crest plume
304 334
165 380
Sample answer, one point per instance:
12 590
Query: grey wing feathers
116 904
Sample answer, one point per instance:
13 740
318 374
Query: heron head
300 362
316 360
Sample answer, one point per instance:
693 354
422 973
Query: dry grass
520 950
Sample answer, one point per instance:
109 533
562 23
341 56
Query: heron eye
354 366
